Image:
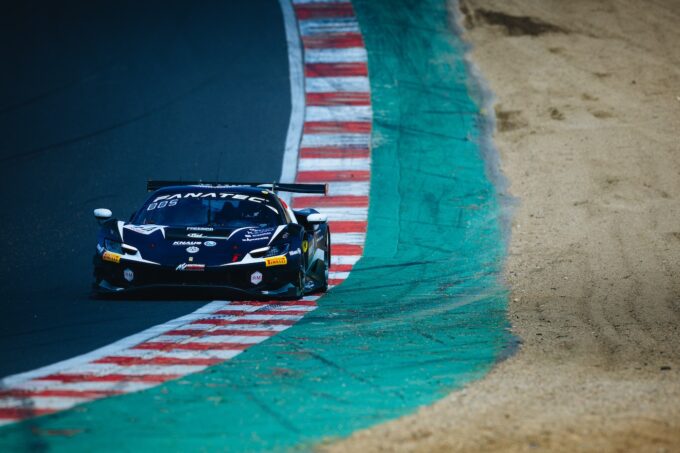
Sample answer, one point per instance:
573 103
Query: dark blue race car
238 238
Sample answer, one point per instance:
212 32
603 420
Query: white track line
343 213
254 327
90 386
349 55
349 163
338 113
328 84
235 339
349 238
100 369
113 348
183 355
321 140
348 188
255 317
344 259
42 402
311 27
297 93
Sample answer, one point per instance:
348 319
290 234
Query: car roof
246 190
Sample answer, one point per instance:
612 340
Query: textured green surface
422 314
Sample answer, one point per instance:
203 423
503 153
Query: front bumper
243 280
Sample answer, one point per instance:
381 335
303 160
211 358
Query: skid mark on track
114 126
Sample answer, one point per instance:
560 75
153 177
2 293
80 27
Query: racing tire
300 286
327 263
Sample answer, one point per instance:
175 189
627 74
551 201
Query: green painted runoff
423 313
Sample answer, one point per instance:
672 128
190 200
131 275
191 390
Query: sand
588 109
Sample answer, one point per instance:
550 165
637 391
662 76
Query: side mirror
317 218
102 214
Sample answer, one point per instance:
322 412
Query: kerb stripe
336 69
333 153
337 127
333 176
349 226
323 10
347 249
339 201
338 98
333 41
129 361
109 377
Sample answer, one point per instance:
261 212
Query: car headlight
113 246
276 250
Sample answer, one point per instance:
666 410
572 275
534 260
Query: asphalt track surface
96 97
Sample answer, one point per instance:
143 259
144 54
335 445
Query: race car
241 239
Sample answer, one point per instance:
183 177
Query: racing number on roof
161 205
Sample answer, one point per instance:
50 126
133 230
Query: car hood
172 246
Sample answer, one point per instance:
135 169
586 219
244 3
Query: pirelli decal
276 261
110 256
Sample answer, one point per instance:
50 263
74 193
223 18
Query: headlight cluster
276 250
117 247
113 246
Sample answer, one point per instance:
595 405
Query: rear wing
153 185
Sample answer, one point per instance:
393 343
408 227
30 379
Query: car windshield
222 210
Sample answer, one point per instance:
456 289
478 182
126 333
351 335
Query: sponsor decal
195 235
294 252
309 285
144 229
305 246
254 239
100 249
192 249
276 261
161 205
256 278
213 195
260 230
190 267
112 257
200 229
252 233
186 243
128 275
210 243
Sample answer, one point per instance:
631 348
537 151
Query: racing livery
237 237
